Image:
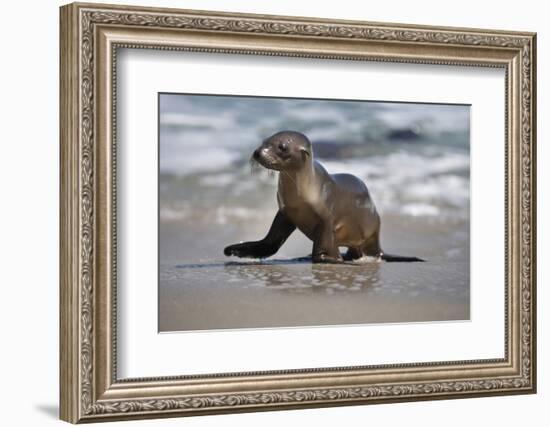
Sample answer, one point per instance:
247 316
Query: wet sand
199 291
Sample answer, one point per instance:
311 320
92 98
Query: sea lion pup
331 210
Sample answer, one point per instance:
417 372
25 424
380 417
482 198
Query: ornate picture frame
90 37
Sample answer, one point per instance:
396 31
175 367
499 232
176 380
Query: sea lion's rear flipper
280 230
400 258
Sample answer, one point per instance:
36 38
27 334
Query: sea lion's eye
283 147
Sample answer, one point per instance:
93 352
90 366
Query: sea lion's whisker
255 167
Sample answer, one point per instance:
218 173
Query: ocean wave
200 121
230 127
436 181
201 160
428 118
205 143
220 215
420 209
408 184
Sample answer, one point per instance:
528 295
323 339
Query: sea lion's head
286 150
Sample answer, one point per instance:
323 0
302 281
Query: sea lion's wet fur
331 210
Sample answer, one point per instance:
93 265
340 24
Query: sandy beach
198 292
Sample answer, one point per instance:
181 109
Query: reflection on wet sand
293 292
278 274
326 278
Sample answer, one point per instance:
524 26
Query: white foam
210 121
229 214
217 180
420 209
220 215
414 184
203 160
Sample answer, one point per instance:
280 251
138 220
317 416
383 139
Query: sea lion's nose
256 154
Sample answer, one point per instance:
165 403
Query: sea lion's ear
305 153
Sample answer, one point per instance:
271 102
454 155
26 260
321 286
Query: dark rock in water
333 150
405 134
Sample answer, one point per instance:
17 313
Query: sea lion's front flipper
280 230
324 246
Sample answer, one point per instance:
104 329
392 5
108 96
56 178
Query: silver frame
90 37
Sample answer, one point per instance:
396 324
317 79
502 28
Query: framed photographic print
266 212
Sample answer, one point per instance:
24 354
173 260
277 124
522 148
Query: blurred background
413 157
